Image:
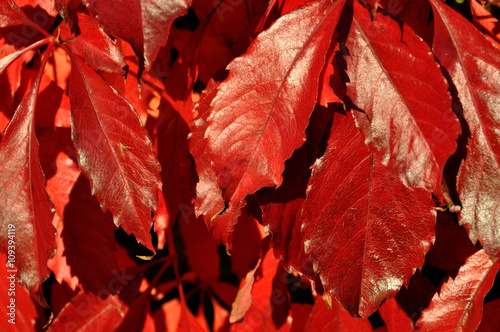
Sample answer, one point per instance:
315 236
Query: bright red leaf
459 304
407 118
114 152
475 72
365 231
258 120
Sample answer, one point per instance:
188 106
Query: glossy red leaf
400 98
26 208
475 72
459 304
114 152
359 220
145 24
94 46
334 319
258 118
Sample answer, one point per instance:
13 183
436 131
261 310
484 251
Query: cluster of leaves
345 153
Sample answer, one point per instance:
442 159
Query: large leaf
26 212
114 152
258 118
145 24
473 64
459 304
365 230
400 99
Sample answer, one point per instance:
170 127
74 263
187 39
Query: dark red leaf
114 152
95 47
258 118
145 24
473 64
459 304
365 231
26 213
400 98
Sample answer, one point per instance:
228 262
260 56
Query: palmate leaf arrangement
345 153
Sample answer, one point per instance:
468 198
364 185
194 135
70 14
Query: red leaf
335 319
145 24
459 304
258 118
95 47
26 213
401 102
114 152
475 72
360 221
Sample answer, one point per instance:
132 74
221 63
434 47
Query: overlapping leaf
400 98
258 118
114 152
145 24
365 230
459 304
26 208
473 64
